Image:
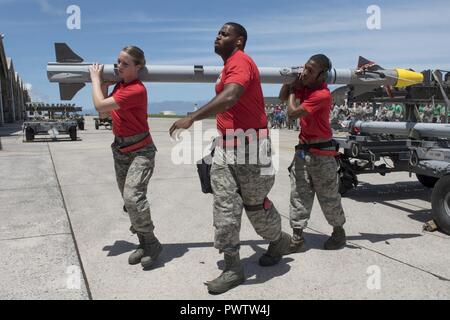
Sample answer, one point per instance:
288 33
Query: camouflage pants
314 175
133 172
236 186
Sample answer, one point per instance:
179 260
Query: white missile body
404 129
72 73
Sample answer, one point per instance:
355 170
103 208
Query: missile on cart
72 74
404 129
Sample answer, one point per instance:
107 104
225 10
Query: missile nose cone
408 78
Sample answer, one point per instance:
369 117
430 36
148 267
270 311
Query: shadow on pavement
11 129
255 274
316 241
119 247
176 250
374 237
170 250
312 241
366 192
396 196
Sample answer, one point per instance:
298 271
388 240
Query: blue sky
413 34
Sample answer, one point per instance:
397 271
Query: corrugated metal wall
13 94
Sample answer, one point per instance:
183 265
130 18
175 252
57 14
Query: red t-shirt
317 101
248 112
131 118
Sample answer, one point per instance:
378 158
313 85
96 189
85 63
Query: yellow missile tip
408 78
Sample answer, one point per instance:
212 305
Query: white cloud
46 7
36 95
412 35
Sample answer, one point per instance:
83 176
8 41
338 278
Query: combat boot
297 242
337 239
275 250
232 276
137 255
152 249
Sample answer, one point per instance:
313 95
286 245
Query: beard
224 49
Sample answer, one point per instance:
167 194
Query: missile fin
438 77
65 54
364 63
68 90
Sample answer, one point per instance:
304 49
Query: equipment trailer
50 120
420 148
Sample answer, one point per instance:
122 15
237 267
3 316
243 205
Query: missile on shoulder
72 73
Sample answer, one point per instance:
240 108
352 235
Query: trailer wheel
81 125
29 134
96 125
355 150
427 181
73 133
440 203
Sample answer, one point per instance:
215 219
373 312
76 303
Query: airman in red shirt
239 106
314 168
133 148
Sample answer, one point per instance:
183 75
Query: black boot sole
215 293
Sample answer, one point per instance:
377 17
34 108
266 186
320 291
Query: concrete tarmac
64 235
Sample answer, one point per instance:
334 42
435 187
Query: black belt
236 140
319 145
123 142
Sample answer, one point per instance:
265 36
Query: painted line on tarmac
70 226
392 258
38 236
